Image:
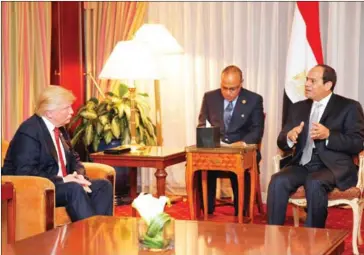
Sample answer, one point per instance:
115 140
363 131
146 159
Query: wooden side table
8 194
237 159
158 157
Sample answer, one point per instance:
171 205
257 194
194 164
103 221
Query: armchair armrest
276 159
98 171
360 162
34 204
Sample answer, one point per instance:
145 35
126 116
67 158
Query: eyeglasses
232 89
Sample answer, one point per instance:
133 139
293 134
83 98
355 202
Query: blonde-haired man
41 147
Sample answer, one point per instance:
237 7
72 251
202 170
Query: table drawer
220 161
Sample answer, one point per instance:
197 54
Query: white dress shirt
50 128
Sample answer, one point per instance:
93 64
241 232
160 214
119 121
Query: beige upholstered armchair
35 200
353 197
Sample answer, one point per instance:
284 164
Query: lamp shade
158 38
130 60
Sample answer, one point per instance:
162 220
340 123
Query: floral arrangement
151 211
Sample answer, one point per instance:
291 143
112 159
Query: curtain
106 23
255 37
25 60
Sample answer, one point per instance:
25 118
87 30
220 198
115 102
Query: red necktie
63 166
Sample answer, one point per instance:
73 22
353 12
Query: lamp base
135 147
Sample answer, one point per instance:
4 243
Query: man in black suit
325 131
41 147
239 114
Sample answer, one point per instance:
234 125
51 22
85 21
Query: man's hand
319 131
80 179
293 134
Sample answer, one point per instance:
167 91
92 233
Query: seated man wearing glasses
239 114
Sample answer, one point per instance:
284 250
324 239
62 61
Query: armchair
353 197
35 199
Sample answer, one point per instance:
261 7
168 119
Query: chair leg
356 227
296 219
258 196
361 206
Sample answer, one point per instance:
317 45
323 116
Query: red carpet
338 218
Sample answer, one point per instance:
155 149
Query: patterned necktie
307 151
227 115
60 156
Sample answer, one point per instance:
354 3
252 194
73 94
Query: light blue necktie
307 151
227 115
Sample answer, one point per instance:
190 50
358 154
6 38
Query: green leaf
92 104
94 99
89 114
150 128
104 119
110 94
143 94
120 108
108 136
127 111
141 133
101 108
107 127
96 142
123 89
89 134
115 127
99 128
73 121
77 134
115 99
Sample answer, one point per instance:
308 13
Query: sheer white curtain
253 36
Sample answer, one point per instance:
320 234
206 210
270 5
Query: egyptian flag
304 52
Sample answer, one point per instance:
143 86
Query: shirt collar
323 101
49 124
226 102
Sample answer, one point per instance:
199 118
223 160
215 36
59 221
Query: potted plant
107 120
105 123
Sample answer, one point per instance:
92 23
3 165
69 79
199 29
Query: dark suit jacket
32 152
247 121
345 120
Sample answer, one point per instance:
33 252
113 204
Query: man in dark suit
325 131
239 114
41 147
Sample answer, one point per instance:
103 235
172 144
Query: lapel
329 108
48 139
240 108
221 109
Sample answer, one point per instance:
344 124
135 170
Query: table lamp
131 60
161 41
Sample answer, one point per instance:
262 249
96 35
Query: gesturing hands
319 131
80 179
293 134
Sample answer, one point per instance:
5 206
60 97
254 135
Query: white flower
148 206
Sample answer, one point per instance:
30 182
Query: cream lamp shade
130 60
158 38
